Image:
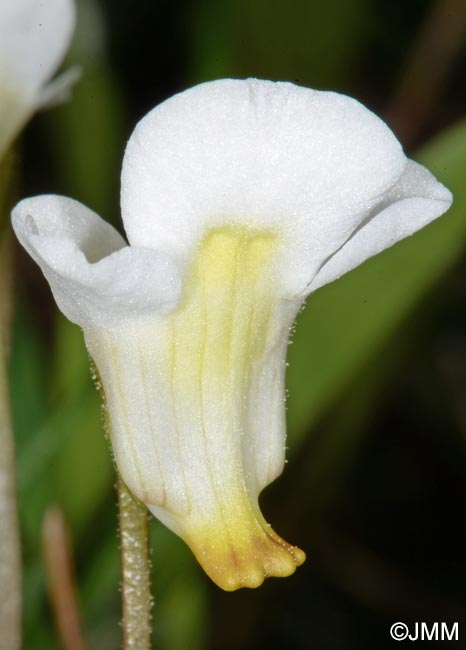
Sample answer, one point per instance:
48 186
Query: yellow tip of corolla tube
245 556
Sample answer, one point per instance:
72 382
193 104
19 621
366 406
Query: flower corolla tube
239 198
34 37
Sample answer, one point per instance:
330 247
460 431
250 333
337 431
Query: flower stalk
136 570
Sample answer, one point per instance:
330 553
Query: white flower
34 36
239 198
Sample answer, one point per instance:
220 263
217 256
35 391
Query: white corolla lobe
239 198
34 37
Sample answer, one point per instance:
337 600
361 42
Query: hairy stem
135 563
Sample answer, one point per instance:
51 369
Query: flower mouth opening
84 241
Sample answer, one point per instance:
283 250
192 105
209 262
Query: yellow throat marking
228 300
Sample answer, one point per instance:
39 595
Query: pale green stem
10 554
134 553
136 570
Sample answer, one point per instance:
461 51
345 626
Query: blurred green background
374 489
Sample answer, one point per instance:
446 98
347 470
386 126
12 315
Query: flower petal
34 35
416 200
304 163
96 279
34 38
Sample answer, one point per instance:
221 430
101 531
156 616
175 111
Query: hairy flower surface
239 198
34 36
